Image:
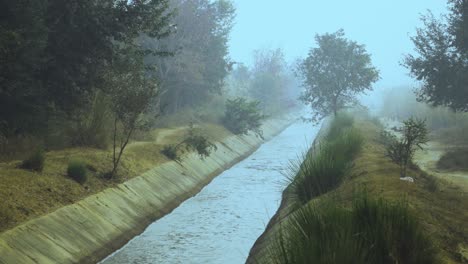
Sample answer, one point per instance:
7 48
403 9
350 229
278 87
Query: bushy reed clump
323 169
373 231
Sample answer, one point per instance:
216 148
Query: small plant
199 143
401 149
194 141
242 116
78 171
35 162
170 151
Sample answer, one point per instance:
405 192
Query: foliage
401 150
56 55
334 73
374 231
340 122
242 116
443 123
35 161
77 170
270 79
441 63
170 151
199 59
323 168
198 143
132 93
92 127
194 141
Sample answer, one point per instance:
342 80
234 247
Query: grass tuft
373 231
323 169
35 162
77 170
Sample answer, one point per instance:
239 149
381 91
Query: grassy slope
443 213
25 195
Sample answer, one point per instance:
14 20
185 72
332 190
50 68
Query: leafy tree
23 38
269 77
401 149
441 63
132 93
243 116
199 49
334 73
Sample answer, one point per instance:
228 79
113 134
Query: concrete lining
91 229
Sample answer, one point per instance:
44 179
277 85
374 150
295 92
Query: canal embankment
87 231
437 207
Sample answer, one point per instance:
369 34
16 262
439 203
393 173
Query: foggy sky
384 26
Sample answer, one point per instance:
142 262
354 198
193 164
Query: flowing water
221 223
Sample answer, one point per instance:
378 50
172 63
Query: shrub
170 151
374 231
242 116
401 150
35 162
199 143
194 141
77 170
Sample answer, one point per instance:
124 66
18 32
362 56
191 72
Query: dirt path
428 158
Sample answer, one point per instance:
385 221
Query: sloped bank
89 230
260 246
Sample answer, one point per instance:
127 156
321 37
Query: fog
385 27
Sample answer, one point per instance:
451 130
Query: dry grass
25 194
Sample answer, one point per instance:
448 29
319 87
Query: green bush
374 231
170 151
77 170
194 141
402 149
35 161
242 116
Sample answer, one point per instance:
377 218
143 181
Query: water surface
222 222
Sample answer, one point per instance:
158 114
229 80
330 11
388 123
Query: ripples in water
221 223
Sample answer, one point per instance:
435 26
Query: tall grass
323 169
373 231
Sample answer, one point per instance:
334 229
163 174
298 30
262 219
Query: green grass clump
77 170
323 170
373 231
340 122
35 162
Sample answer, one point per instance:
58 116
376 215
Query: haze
384 27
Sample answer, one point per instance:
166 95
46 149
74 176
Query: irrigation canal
221 223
